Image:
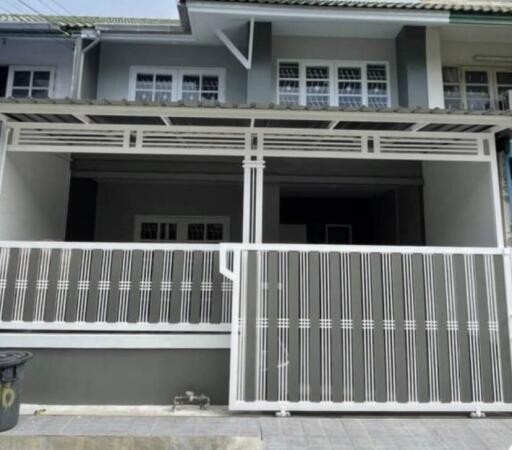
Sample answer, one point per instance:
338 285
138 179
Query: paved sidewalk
296 432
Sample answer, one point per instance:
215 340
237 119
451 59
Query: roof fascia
319 13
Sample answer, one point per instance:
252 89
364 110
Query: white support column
4 139
254 166
496 192
434 68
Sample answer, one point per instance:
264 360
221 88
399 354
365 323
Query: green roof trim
83 21
481 19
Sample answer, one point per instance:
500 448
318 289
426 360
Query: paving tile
312 426
333 427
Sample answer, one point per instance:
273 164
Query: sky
163 9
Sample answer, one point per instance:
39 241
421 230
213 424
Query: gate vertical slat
504 324
177 278
357 333
94 291
216 311
423 365
53 280
293 339
198 260
336 343
315 378
378 330
398 311
30 294
155 303
462 317
134 296
272 343
12 270
482 299
252 285
68 305
440 301
115 277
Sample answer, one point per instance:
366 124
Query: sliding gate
348 328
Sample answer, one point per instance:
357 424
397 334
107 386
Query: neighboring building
348 149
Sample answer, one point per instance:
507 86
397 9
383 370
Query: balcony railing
112 287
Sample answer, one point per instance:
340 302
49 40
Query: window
30 81
169 84
333 84
181 229
476 89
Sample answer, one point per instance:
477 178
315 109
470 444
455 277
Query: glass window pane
41 79
453 103
21 78
476 77
191 83
172 231
149 231
504 77
162 96
20 93
144 81
317 87
209 96
376 72
145 96
318 73
450 75
350 101
214 231
163 82
40 93
191 96
349 88
289 70
290 100
349 73
377 88
377 102
196 232
210 83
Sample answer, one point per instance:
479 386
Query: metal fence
352 328
112 287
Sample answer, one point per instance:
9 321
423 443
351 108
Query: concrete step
12 442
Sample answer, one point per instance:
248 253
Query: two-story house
300 200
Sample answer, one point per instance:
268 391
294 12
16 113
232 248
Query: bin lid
13 358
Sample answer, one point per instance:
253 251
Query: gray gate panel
94 278
462 317
378 332
357 334
336 343
32 276
9 294
115 277
251 288
177 276
53 277
73 291
442 336
133 305
315 376
504 324
483 332
398 311
155 304
293 337
272 339
421 336
198 260
217 279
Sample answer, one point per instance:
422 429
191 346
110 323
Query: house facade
283 205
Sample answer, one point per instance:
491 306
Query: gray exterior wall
124 377
260 85
116 59
90 72
412 67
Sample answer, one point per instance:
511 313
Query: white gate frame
239 251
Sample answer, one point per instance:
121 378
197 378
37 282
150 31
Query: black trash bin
12 365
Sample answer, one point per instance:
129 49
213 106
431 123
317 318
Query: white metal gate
351 328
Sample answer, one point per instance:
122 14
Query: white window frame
177 78
333 65
29 68
182 223
491 76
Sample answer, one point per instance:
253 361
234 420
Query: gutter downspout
80 65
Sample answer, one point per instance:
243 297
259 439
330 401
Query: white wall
342 49
52 53
458 204
34 197
462 53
